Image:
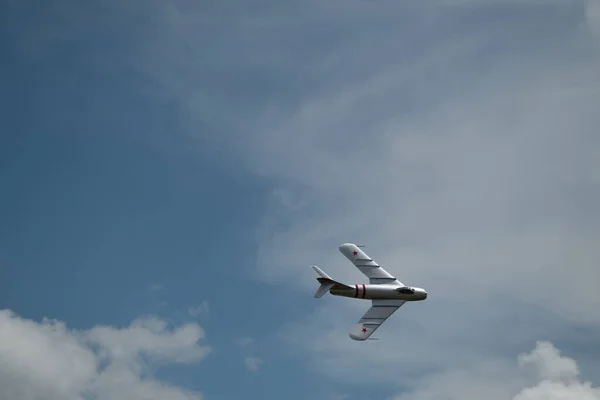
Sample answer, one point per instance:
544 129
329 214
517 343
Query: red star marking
355 252
364 330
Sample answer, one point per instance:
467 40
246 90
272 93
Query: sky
171 169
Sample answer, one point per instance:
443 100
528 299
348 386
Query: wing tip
349 244
350 250
360 332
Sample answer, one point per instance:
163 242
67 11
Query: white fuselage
381 292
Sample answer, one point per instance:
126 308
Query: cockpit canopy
405 290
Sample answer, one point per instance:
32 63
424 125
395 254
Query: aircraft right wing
367 266
375 316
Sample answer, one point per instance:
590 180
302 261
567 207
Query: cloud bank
542 374
46 360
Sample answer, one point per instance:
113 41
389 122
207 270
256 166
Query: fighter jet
386 293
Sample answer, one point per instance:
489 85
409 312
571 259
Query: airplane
386 293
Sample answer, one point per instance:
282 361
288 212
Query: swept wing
375 316
366 265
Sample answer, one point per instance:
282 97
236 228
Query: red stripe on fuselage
364 291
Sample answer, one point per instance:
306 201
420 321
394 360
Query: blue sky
161 157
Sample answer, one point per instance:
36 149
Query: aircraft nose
424 295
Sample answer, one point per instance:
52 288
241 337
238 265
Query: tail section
326 282
321 274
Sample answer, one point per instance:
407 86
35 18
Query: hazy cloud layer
47 360
457 139
465 152
468 161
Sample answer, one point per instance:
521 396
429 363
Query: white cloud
253 363
202 308
548 363
541 374
47 360
548 390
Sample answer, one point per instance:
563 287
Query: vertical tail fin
325 281
321 273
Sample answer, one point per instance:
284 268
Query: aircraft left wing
366 265
375 316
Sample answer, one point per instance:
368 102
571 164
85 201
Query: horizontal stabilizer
323 288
